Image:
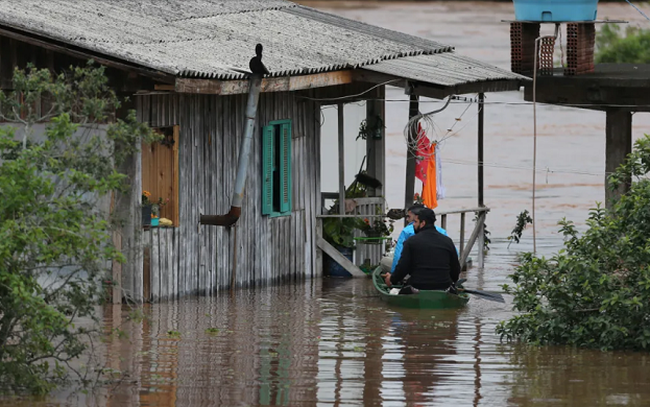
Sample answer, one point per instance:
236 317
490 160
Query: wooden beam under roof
435 91
281 84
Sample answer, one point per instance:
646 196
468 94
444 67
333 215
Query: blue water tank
556 10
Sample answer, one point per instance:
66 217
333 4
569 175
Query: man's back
431 260
406 233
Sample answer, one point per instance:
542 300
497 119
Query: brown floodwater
333 342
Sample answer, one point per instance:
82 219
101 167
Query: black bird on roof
256 65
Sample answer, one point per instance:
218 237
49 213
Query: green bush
615 47
55 242
595 292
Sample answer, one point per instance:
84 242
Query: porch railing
465 246
477 234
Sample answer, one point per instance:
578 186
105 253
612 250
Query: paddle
485 295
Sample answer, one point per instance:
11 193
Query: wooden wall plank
175 263
175 168
154 276
209 133
146 266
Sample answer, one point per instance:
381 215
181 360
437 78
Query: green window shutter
285 167
267 169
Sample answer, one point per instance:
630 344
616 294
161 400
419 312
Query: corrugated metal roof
448 69
213 39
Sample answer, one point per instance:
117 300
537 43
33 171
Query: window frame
276 158
175 168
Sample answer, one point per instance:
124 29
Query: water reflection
566 376
373 355
334 343
324 343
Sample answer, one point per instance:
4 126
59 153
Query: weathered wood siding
198 259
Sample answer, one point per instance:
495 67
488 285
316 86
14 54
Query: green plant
156 206
356 190
486 233
615 47
376 228
56 241
371 128
523 219
340 231
595 292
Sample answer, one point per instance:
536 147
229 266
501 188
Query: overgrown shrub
595 292
55 241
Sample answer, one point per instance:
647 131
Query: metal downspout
231 217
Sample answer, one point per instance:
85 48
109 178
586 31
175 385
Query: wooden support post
341 161
462 232
376 146
319 253
117 271
481 118
481 243
472 239
414 110
481 203
618 144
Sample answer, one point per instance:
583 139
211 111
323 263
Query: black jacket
430 258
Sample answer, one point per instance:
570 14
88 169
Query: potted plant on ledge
377 228
151 209
339 232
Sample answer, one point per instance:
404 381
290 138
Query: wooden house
183 64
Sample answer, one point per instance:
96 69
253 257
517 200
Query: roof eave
438 91
84 53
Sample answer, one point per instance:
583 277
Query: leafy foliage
371 128
595 292
340 231
377 227
523 219
616 47
55 237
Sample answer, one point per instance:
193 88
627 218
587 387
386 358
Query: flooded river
332 342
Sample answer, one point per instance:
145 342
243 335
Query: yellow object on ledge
165 222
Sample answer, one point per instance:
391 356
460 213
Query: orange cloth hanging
429 191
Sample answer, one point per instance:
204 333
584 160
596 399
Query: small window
276 171
160 172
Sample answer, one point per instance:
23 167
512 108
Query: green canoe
422 300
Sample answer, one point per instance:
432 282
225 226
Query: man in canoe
429 257
388 264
